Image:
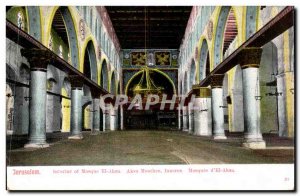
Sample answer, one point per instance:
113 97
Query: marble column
76 106
106 117
191 117
217 106
96 112
122 118
185 118
202 115
282 111
285 86
38 60
179 118
249 60
113 118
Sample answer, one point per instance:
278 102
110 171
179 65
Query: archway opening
192 74
226 32
17 15
230 33
63 38
87 65
104 74
90 62
58 41
204 62
113 84
152 118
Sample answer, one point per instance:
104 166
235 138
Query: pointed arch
90 60
112 83
104 75
71 31
192 75
219 32
204 60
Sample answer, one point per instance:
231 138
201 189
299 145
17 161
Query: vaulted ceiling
149 26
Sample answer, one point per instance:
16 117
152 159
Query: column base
219 137
95 132
76 137
191 132
255 144
185 130
36 145
203 134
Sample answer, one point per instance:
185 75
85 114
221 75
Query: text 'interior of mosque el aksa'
235 63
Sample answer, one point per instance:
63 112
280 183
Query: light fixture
258 97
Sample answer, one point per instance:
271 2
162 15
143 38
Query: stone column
96 112
285 86
106 117
113 118
38 60
281 100
191 117
184 118
122 118
76 106
179 118
202 115
217 106
249 60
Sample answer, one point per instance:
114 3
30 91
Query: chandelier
146 85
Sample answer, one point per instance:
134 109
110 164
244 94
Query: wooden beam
25 40
276 26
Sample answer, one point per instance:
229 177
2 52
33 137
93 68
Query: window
20 20
60 51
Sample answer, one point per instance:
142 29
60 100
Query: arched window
20 20
60 51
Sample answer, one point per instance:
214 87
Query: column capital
76 81
250 57
37 58
95 94
217 80
202 92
